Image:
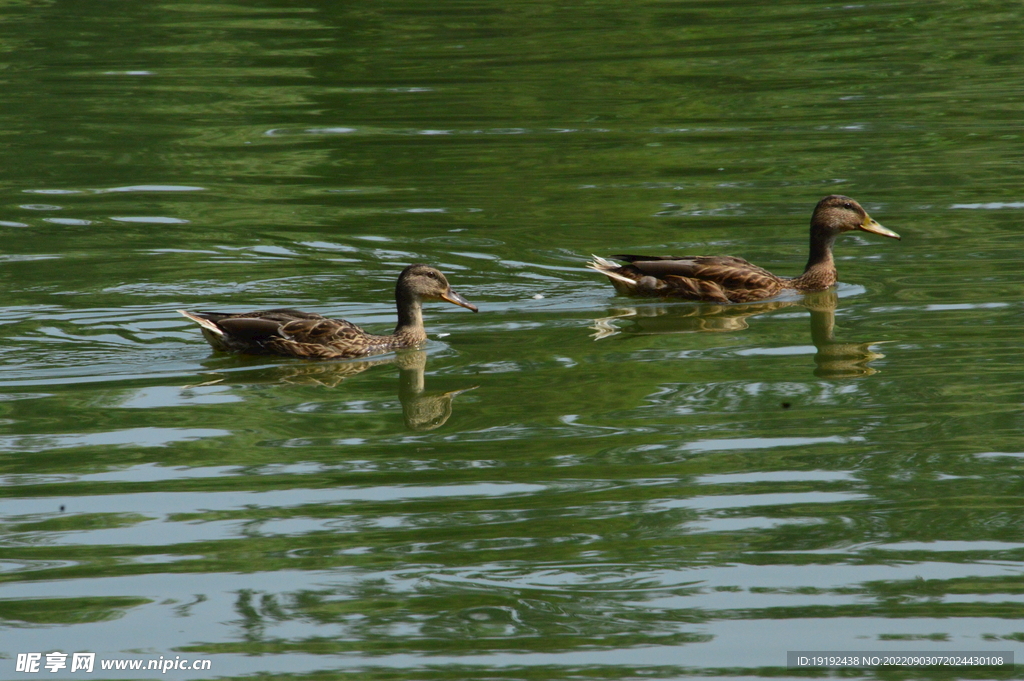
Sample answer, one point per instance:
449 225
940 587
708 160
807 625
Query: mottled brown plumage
311 336
728 279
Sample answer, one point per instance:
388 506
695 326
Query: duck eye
848 206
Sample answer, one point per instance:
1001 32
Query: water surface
569 484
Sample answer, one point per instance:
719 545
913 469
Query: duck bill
452 297
870 225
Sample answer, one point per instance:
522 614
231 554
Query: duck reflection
832 359
835 359
421 409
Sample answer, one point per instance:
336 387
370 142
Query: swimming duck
728 279
293 333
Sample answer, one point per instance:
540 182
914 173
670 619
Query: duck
306 335
728 279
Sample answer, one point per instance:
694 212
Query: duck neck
820 272
410 315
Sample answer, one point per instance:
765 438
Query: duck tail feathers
205 323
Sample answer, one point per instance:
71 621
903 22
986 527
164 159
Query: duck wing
717 279
281 315
289 332
252 327
727 270
322 330
324 338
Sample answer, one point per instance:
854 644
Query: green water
569 484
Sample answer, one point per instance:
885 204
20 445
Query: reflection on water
662 506
833 359
421 409
649 320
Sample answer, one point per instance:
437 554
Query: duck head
837 213
424 282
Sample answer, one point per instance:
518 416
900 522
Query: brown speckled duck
728 279
293 333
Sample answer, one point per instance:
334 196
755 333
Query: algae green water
569 484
